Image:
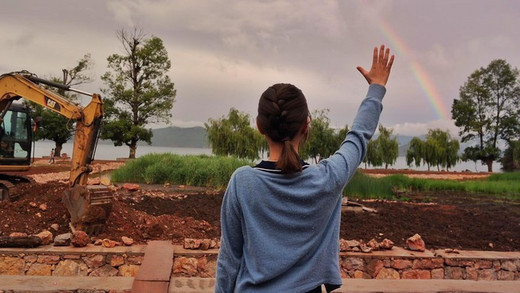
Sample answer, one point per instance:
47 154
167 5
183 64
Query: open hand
381 66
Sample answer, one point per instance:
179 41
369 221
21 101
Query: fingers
364 73
382 54
375 57
390 62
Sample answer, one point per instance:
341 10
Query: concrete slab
470 254
150 286
207 285
157 263
46 249
49 284
360 285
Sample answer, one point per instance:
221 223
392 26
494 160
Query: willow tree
388 146
487 111
438 149
234 136
139 91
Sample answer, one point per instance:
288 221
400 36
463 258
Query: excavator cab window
16 136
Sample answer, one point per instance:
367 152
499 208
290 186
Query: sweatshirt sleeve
344 163
230 253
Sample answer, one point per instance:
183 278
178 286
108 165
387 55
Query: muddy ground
443 219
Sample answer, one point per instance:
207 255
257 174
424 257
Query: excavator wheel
89 207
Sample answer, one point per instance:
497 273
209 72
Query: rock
373 244
80 239
48 259
43 207
108 243
438 274
417 274
127 241
70 268
428 263
55 227
401 264
11 265
364 247
352 243
131 187
62 239
471 273
190 243
386 244
33 204
105 180
18 234
186 266
205 244
509 266
374 266
38 269
46 237
116 260
128 270
454 273
487 275
352 263
386 273
104 271
98 242
506 276
416 243
94 261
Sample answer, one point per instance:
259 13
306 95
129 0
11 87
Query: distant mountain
182 137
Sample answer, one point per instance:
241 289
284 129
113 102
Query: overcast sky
226 53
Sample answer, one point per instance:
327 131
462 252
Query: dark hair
282 111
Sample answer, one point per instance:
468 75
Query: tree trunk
133 149
132 153
57 149
386 166
489 163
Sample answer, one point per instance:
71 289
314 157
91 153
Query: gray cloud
225 53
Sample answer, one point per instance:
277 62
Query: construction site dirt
454 220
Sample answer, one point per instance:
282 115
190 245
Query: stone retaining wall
67 261
397 263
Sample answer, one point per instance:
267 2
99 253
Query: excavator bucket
89 207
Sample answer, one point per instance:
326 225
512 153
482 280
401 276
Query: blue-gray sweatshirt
280 233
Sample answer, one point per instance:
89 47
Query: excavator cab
15 138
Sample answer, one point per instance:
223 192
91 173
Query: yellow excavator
88 205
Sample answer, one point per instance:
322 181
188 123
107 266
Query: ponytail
289 161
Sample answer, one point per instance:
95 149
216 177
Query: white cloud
416 129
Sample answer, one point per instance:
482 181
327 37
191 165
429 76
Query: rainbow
422 77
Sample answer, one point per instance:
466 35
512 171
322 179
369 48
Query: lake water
110 152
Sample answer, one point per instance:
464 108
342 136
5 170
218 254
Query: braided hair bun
282 110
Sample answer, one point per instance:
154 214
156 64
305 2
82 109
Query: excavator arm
88 206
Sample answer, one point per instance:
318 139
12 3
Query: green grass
506 185
202 170
215 171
